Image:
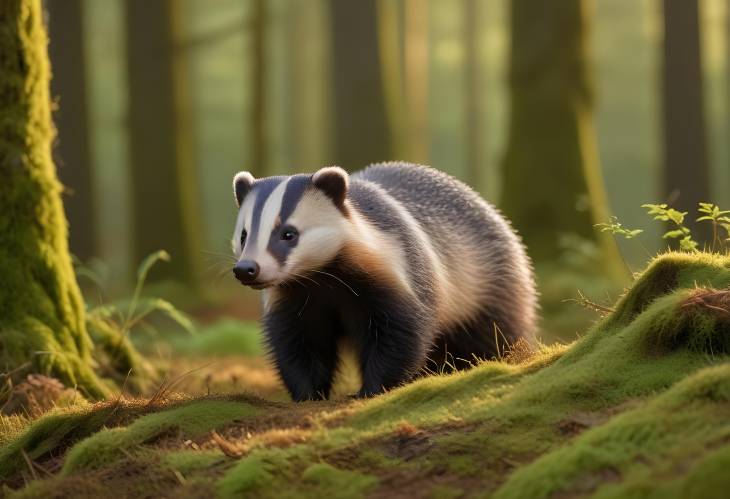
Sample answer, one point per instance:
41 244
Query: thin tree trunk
41 310
552 176
360 128
259 157
415 48
475 133
72 149
165 200
686 166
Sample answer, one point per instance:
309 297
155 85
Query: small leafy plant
719 218
110 325
709 212
614 227
128 314
663 213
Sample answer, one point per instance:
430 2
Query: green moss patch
637 407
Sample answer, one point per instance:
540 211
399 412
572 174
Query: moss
118 358
668 272
249 474
332 482
637 447
186 421
190 461
636 408
40 303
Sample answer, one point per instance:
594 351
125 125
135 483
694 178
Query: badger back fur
410 265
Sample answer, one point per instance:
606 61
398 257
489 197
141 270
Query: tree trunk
72 148
476 134
259 144
360 128
686 169
41 309
552 177
165 210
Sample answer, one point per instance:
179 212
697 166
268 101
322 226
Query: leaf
148 262
676 216
674 234
633 233
688 244
149 305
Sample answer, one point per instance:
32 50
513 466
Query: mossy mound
637 408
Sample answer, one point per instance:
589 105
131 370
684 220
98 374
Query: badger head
288 227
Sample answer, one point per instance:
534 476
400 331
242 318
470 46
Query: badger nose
246 271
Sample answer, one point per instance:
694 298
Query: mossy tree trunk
41 310
552 177
360 129
72 149
165 211
686 166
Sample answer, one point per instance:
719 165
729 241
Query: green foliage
614 227
225 337
719 219
665 214
111 325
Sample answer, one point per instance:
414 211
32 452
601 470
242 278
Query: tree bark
360 128
686 167
552 177
72 151
165 213
41 310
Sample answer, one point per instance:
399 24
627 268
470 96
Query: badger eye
243 237
289 234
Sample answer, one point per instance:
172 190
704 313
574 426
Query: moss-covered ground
637 407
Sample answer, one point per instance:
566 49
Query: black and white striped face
288 227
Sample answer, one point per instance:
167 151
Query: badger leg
392 351
305 354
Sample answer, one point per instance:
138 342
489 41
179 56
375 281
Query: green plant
663 213
111 325
614 227
719 218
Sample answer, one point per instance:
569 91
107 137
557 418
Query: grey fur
448 210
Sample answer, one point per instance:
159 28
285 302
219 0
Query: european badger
408 263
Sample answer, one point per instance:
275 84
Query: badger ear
333 181
242 183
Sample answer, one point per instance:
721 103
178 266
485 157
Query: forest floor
637 407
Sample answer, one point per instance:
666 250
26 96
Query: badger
407 264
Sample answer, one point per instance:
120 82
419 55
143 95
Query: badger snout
246 271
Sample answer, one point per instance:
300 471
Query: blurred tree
41 310
686 167
259 159
360 129
307 61
402 27
475 161
72 148
165 199
552 177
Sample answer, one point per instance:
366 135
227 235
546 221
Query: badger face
288 227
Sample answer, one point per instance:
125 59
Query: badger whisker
337 278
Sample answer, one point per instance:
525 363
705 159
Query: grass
635 408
